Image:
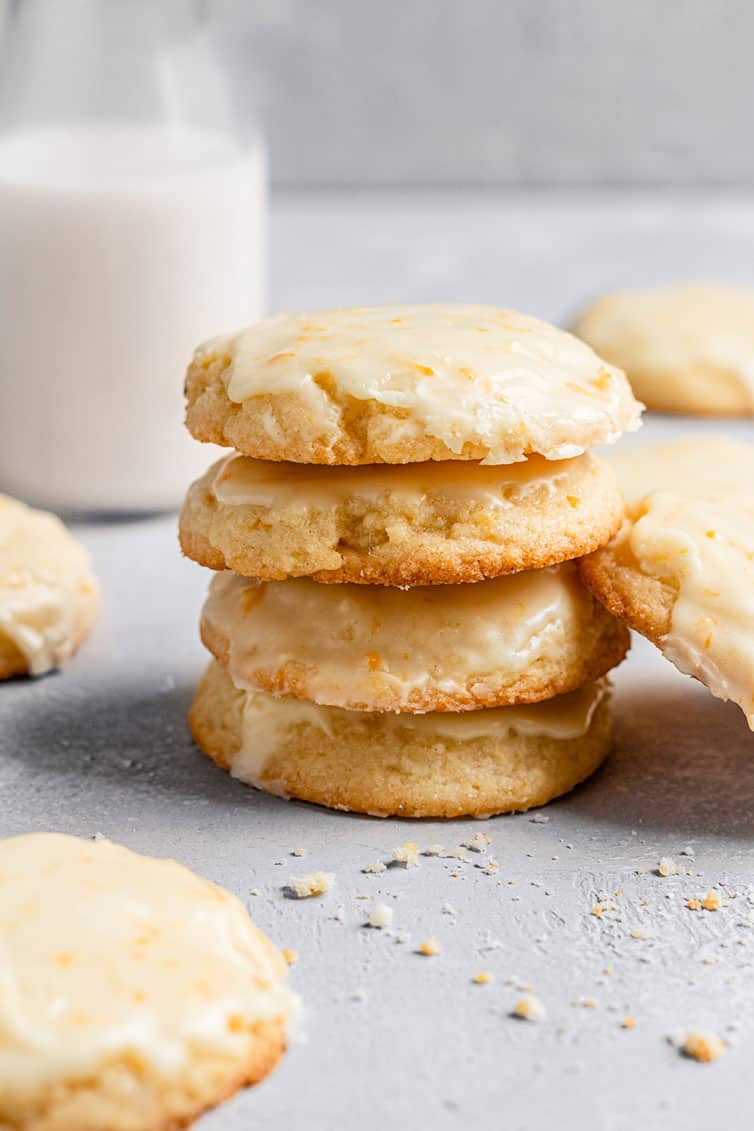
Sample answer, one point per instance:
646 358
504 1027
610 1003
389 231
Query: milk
121 248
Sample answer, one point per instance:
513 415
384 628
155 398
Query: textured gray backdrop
487 92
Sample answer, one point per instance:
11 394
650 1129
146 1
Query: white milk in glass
121 248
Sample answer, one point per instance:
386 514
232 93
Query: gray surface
103 748
490 92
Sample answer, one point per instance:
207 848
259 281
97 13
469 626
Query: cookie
402 384
49 597
516 639
685 348
135 994
418 524
681 569
437 765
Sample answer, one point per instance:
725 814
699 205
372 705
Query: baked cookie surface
417 524
402 384
684 348
448 765
515 639
135 993
681 569
49 597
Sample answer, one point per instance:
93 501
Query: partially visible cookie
49 597
447 765
417 524
684 348
402 384
135 993
681 568
515 639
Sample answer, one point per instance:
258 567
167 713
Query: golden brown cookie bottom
127 1094
380 764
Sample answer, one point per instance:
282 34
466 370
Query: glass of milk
132 227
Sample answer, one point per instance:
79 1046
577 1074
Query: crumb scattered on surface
628 1023
298 852
456 854
694 905
374 868
482 979
490 868
712 901
704 1047
477 843
539 819
290 956
429 948
359 995
255 891
668 867
316 883
688 851
406 854
433 850
380 916
529 1008
640 934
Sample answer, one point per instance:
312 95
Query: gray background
496 92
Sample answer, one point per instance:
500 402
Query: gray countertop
387 1033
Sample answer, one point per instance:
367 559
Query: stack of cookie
386 459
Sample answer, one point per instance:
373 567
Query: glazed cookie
402 384
516 639
135 994
681 568
447 765
49 597
684 348
418 524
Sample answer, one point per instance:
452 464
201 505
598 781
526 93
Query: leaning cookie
402 384
684 348
681 569
417 524
49 597
136 994
448 765
515 639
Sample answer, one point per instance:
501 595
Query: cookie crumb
380 916
429 948
628 1023
290 956
359 995
375 868
406 854
316 883
529 1008
482 979
704 1047
694 905
477 843
712 901
668 867
640 934
433 850
490 868
298 852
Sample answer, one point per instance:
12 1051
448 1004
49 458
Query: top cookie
402 384
684 348
48 595
681 568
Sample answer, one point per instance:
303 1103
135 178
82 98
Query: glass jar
132 227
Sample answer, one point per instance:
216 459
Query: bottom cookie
476 763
